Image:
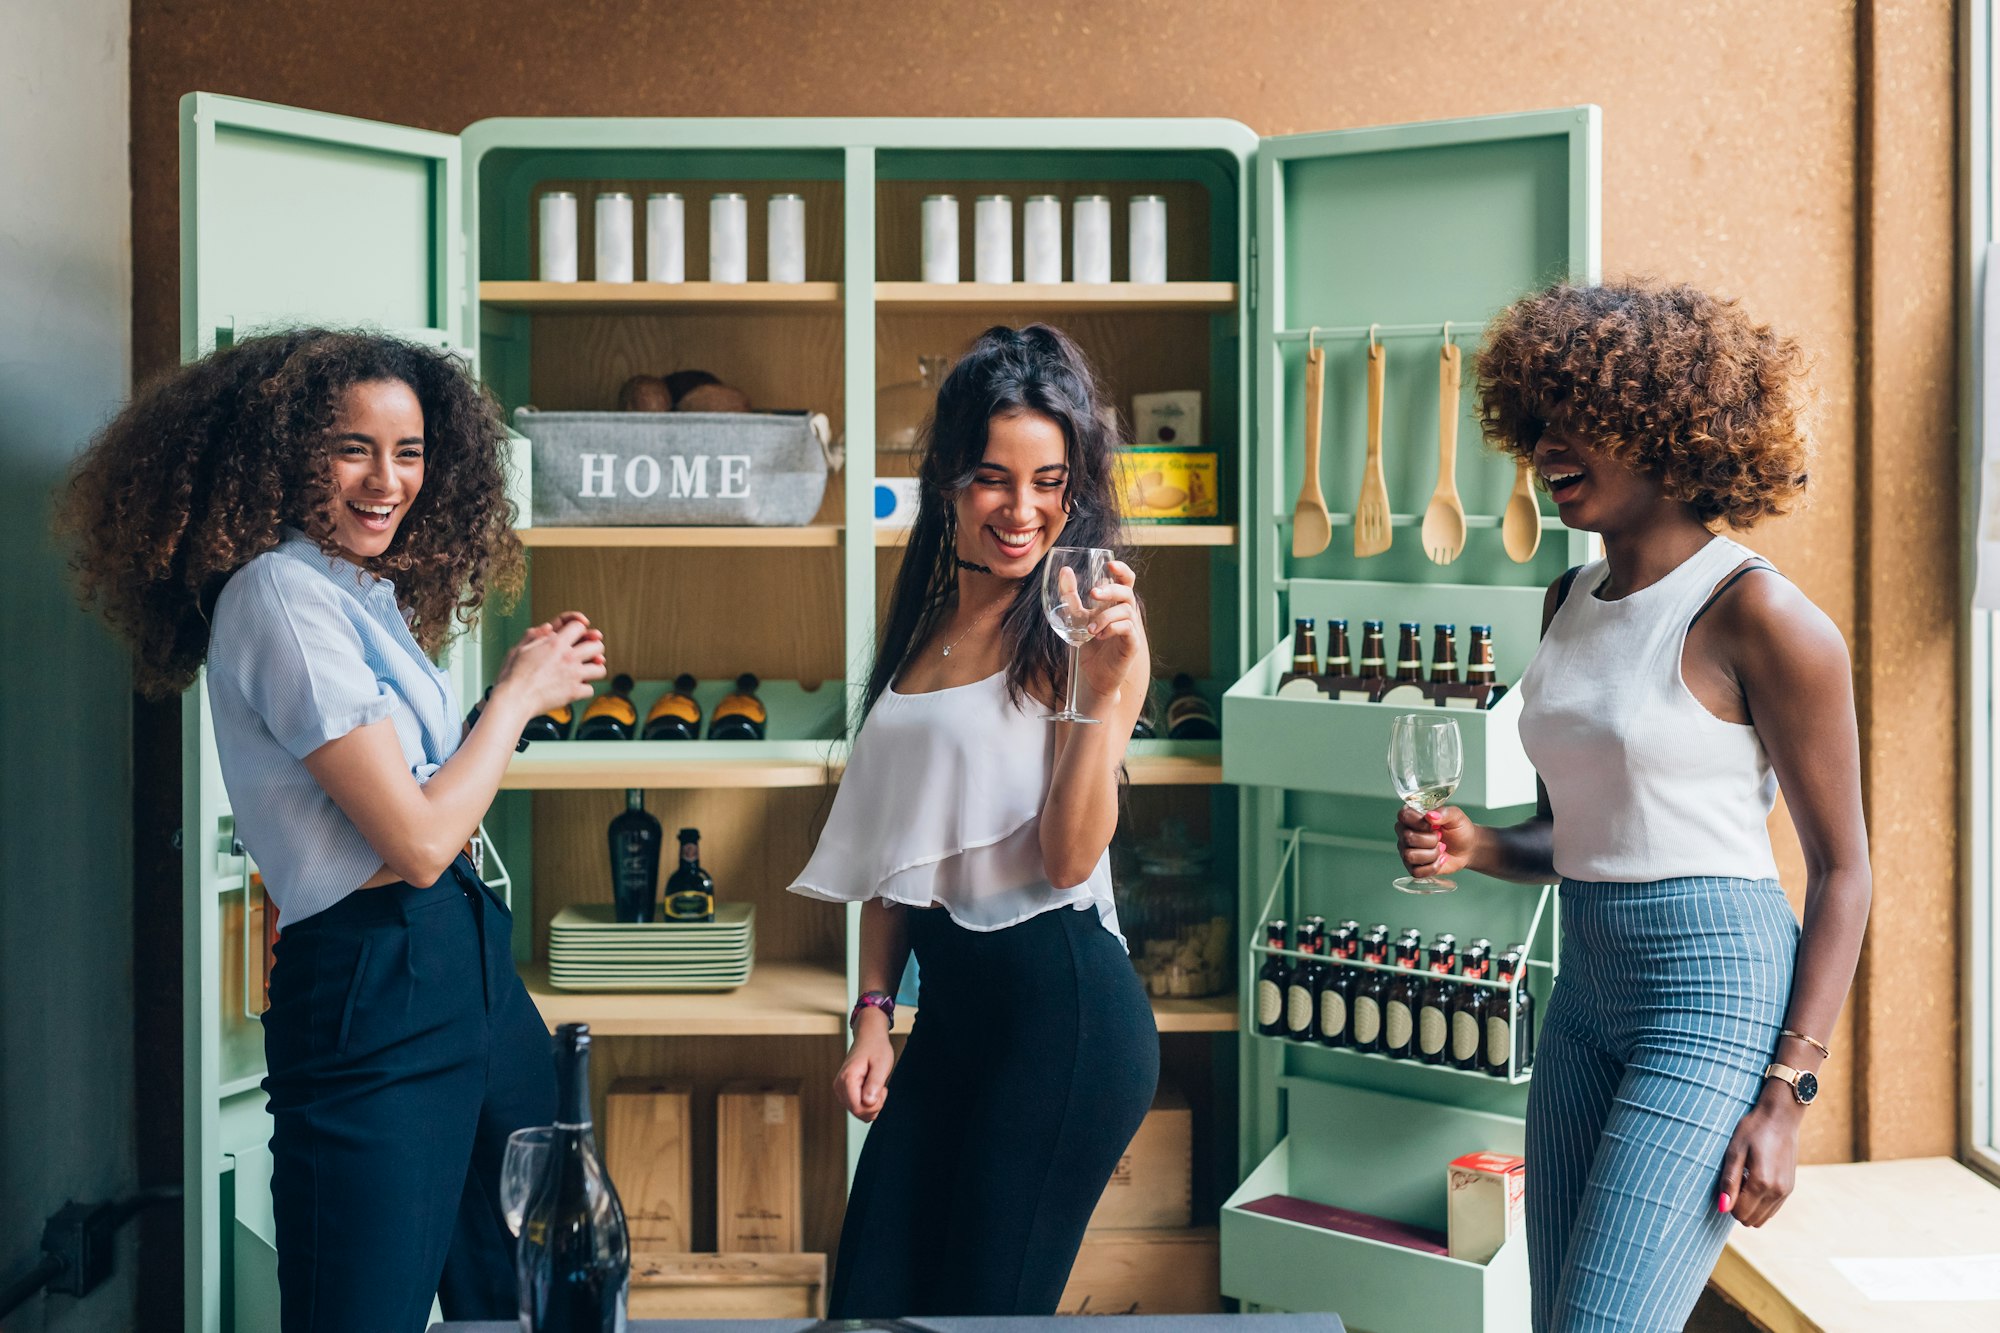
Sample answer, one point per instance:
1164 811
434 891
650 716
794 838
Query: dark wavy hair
1681 385
201 470
1033 369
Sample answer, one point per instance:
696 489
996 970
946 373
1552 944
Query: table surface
1189 1323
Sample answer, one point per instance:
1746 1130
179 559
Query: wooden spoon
1521 525
1312 529
1444 520
1371 510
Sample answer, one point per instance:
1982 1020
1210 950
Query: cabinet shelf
1216 297
694 765
532 297
1452 1071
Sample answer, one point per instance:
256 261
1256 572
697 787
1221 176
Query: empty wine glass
527 1149
1069 575
1425 762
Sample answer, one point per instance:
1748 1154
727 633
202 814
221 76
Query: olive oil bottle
690 892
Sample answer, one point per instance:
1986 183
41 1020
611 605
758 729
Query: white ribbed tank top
941 805
1646 783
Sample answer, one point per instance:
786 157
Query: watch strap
873 999
1787 1074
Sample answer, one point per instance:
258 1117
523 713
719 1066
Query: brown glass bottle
1468 1010
1339 656
1408 687
1373 671
1511 1031
1272 979
1399 1007
611 715
1305 647
1190 716
1479 689
1434 1005
1371 996
1301 1016
1335 998
1444 655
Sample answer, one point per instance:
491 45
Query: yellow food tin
1162 484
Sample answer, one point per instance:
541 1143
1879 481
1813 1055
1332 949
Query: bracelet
1816 1045
873 999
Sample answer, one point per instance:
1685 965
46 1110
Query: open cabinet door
287 217
1408 237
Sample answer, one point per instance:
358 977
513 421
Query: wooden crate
1146 1272
759 1145
647 1138
1154 1183
727 1286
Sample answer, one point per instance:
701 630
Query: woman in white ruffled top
975 833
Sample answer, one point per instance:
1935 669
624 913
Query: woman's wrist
507 708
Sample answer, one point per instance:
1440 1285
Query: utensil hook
1371 338
1312 340
1447 333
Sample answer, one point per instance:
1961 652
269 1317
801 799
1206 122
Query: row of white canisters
1041 238
666 237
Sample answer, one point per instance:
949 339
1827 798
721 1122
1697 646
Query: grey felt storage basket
726 469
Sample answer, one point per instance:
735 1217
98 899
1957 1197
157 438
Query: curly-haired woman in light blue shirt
311 514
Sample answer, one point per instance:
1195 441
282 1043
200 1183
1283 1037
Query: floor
1716 1315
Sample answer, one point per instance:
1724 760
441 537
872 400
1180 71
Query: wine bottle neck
573 1104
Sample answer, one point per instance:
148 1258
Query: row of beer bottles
674 716
1341 677
1328 1000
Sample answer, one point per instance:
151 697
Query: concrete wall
66 1088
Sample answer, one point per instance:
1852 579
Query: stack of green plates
589 949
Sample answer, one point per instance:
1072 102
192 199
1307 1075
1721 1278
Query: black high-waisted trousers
1033 1060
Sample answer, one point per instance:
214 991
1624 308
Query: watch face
1807 1088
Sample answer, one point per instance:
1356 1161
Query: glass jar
901 409
1176 917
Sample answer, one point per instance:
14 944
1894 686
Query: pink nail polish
1722 1203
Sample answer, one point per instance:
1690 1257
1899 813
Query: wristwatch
1805 1086
873 999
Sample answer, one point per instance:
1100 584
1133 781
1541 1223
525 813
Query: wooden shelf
1174 770
1137 534
1217 297
602 296
544 767
814 534
780 1000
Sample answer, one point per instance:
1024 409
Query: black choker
963 563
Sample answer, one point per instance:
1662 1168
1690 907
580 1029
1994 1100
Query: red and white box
1487 1203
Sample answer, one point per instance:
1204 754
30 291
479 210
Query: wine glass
527 1149
1425 762
1068 576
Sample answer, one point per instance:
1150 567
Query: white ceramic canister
728 238
785 238
1146 236
1041 239
940 224
1090 226
614 237
666 238
993 239
556 225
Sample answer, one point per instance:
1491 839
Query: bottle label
1367 1020
1464 1036
1499 1043
1332 1013
1431 1030
1270 1003
1299 1009
1396 1034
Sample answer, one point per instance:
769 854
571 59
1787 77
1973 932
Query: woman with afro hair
1679 682
311 514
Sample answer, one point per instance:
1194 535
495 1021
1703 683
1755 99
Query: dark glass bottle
1301 1015
1444 655
1190 717
553 725
1408 687
1468 1010
1434 1005
1480 689
1399 1007
740 716
674 716
1333 995
1339 657
574 1261
635 859
1374 669
1272 979
690 892
610 716
1371 996
1479 669
1511 1032
1305 647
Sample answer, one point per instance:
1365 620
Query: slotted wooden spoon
1371 509
1444 519
1312 529
1521 525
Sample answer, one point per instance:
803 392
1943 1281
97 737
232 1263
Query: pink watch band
873 999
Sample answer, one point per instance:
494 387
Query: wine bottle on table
690 892
574 1262
635 859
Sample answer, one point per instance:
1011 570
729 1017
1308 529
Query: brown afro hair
204 467
1681 385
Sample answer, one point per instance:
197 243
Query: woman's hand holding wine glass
1425 763
1089 599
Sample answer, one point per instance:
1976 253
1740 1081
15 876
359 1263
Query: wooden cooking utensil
1312 529
1521 525
1444 519
1371 510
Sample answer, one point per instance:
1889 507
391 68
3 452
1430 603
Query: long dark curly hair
1033 369
1681 385
201 470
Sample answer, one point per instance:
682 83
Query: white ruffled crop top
941 806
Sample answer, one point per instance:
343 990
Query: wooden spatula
1444 519
1521 525
1371 509
1312 530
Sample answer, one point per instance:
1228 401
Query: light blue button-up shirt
305 647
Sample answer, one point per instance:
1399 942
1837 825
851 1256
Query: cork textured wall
1795 153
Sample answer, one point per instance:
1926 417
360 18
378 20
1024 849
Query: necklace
976 621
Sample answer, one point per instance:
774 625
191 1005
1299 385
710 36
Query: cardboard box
1164 484
1154 1183
1487 1194
759 1150
1146 1272
727 1286
647 1151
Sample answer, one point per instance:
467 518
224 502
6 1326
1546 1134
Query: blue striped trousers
1652 1049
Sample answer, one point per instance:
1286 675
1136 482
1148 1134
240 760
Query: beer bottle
1510 1030
1305 648
1339 660
1373 673
610 716
1480 689
1372 995
1434 1006
1399 1011
1408 687
1190 717
690 891
1479 668
674 716
1444 655
1468 1011
740 716
1336 990
1301 1020
1272 979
